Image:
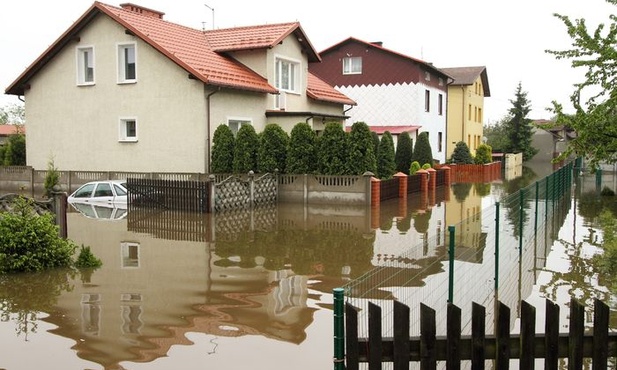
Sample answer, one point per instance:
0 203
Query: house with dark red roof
394 92
123 89
8 130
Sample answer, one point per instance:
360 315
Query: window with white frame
235 124
286 74
128 130
427 101
85 65
352 65
127 62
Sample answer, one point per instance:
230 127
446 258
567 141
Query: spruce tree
361 150
519 128
223 143
404 150
272 153
375 143
332 155
302 154
422 152
461 154
386 166
245 153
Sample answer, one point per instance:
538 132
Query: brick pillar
424 188
375 202
447 175
432 185
402 184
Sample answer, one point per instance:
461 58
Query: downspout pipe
208 122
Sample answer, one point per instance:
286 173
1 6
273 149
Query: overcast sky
508 37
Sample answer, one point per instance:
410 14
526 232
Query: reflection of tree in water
525 179
461 190
421 220
404 224
482 189
306 252
23 296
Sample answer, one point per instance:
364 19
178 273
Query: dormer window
85 65
127 60
352 65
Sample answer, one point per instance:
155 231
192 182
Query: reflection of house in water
464 212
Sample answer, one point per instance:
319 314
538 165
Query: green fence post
598 179
535 221
339 328
521 200
451 275
545 199
496 251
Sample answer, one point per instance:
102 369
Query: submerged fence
492 255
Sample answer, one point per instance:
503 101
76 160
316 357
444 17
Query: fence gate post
339 329
451 229
212 184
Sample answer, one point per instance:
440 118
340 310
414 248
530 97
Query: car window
103 190
85 191
103 212
119 190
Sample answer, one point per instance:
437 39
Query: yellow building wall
465 116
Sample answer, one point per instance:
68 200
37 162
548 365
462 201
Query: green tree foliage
484 154
15 152
245 150
496 135
52 178
594 99
386 166
404 150
461 154
607 261
30 242
333 152
361 150
223 147
375 143
415 167
273 146
519 128
87 259
422 152
302 154
13 114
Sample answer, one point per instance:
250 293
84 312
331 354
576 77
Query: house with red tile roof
8 130
393 91
123 89
466 95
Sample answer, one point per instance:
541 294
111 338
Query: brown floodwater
244 290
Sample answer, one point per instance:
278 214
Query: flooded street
253 290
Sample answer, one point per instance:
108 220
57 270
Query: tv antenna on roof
211 8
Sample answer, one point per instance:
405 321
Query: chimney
142 10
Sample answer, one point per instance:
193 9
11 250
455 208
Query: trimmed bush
484 154
386 167
15 151
273 146
332 155
404 150
223 143
415 167
461 154
422 152
426 166
245 150
362 156
302 153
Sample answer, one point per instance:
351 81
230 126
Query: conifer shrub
86 259
223 143
386 166
333 153
245 150
404 150
422 152
302 153
415 167
361 150
273 147
461 154
484 154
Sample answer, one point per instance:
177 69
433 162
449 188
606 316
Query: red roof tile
6 130
394 130
318 89
201 53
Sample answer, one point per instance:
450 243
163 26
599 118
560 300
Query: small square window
127 61
427 76
85 65
130 254
128 130
352 65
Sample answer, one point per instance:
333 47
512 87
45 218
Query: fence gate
236 193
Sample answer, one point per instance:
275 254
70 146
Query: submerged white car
101 192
